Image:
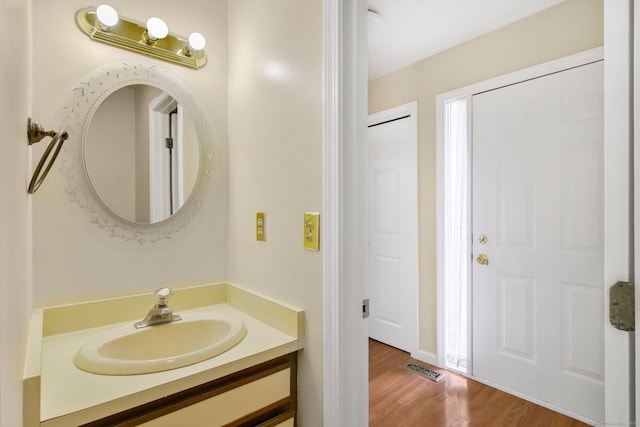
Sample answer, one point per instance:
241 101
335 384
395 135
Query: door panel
538 197
386 281
517 311
516 197
583 305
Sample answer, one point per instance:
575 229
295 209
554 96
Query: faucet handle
163 295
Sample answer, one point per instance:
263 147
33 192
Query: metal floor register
425 372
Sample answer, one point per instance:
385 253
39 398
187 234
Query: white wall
144 95
110 154
15 219
274 97
189 155
275 165
73 259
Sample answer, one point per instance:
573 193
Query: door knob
482 259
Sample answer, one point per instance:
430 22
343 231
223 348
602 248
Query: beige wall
15 218
275 156
74 259
573 26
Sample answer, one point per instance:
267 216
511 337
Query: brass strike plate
261 227
311 237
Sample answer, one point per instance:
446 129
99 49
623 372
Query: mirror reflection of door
173 163
165 150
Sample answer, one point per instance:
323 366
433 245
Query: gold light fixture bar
129 34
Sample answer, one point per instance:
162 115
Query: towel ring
35 133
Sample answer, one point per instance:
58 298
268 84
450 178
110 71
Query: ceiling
404 32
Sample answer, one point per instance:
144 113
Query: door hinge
169 143
365 308
622 309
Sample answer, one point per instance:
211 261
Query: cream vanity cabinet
263 395
254 383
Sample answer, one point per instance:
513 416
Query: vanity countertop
70 396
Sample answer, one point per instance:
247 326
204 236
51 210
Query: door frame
467 92
345 370
379 118
630 62
620 382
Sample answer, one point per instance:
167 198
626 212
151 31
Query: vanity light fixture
153 39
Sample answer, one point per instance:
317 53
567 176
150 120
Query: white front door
538 310
393 224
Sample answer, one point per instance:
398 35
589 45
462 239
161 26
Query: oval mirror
118 177
141 154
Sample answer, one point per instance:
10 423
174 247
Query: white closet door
393 225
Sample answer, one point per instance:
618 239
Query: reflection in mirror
141 154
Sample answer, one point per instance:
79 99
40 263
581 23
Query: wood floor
399 397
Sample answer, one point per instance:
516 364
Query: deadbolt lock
482 259
482 239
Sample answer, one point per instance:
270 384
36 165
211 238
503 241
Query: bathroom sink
126 350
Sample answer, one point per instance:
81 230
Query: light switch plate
311 236
261 226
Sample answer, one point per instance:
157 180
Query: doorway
343 373
536 284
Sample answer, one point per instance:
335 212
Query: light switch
311 237
261 227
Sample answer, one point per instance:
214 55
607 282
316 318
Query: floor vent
425 372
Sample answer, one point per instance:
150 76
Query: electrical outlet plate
311 236
261 226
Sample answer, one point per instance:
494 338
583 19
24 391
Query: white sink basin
127 350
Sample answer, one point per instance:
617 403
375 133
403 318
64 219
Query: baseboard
426 357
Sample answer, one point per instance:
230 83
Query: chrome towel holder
35 133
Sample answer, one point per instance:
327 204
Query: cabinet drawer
231 405
264 395
287 423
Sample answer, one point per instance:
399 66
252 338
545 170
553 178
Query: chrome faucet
161 312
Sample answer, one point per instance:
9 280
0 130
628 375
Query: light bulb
156 29
195 45
196 42
107 16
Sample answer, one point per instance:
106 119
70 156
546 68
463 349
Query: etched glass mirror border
76 117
